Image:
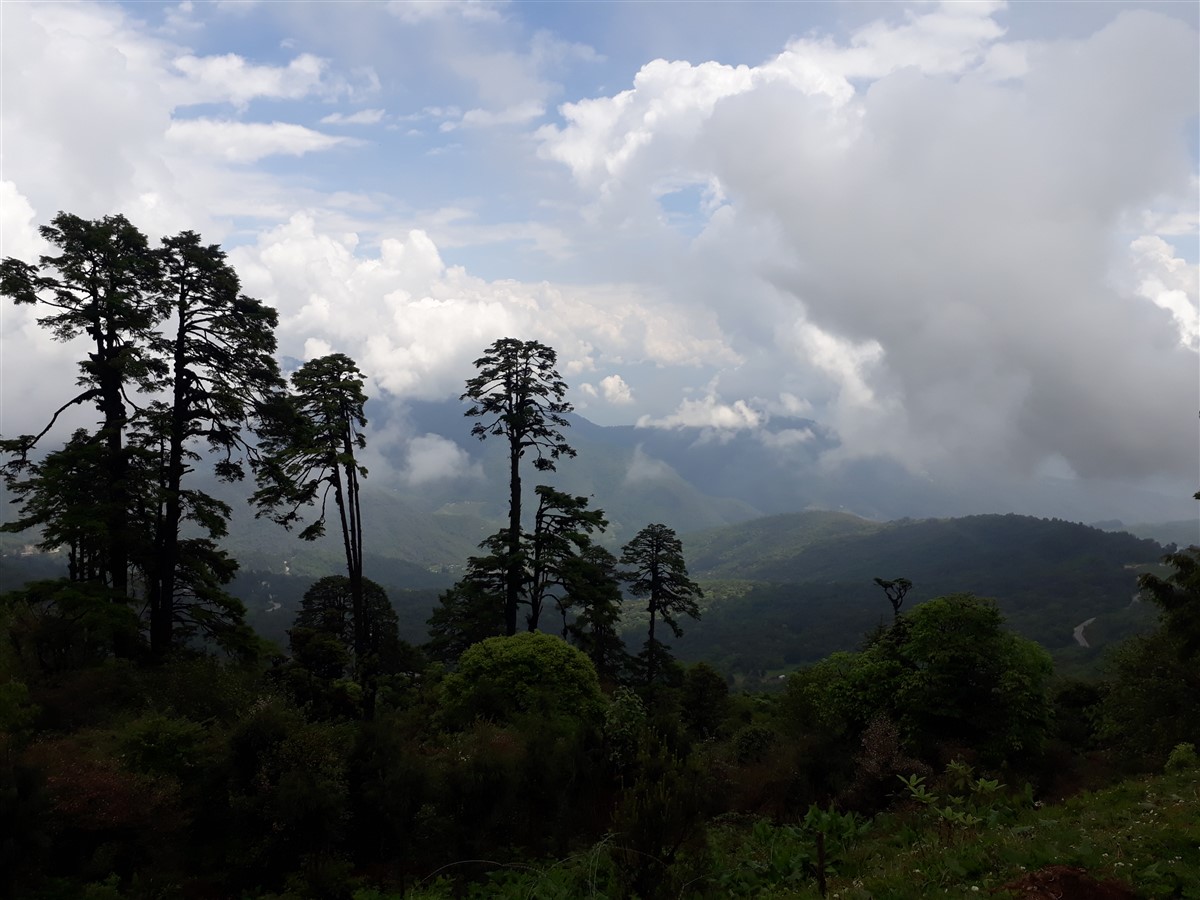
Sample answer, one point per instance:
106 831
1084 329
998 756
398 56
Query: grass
1144 832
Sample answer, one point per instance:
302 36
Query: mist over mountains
693 478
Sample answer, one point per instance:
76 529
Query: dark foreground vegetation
153 746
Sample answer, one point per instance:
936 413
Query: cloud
616 391
415 324
512 115
1170 283
244 142
414 12
919 232
432 457
956 249
643 467
230 78
708 412
18 225
362 117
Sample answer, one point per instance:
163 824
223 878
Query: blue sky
959 234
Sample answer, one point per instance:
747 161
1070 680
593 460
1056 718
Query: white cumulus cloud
708 412
230 78
616 390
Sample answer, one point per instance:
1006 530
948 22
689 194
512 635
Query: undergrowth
966 836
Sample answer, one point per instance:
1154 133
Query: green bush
1183 758
531 676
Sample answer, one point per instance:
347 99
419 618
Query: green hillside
1047 577
737 550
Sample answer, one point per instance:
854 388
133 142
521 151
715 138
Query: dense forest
567 717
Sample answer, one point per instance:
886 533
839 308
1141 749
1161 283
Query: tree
1151 699
308 452
102 285
322 639
222 373
1178 596
704 700
117 497
562 527
533 675
518 395
62 496
469 612
660 575
593 594
895 591
328 607
952 677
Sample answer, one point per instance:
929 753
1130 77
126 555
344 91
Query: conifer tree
308 455
518 395
660 575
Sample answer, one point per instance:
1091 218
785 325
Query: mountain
806 586
733 497
701 477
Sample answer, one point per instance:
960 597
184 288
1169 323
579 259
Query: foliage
1151 698
659 815
593 596
60 625
532 675
117 498
221 373
471 610
1141 831
518 395
562 529
790 857
948 674
327 607
624 728
1178 596
309 444
659 574
1182 758
704 700
102 285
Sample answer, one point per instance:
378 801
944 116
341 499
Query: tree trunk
162 586
512 573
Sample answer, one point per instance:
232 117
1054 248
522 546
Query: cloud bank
954 248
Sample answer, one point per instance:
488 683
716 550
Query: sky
963 236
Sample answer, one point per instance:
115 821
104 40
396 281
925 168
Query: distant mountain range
694 478
789 546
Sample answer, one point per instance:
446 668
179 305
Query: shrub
531 675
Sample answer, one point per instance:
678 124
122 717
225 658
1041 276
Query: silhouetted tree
562 527
308 453
102 286
62 496
518 395
1178 596
659 574
473 609
328 608
593 595
222 372
895 591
